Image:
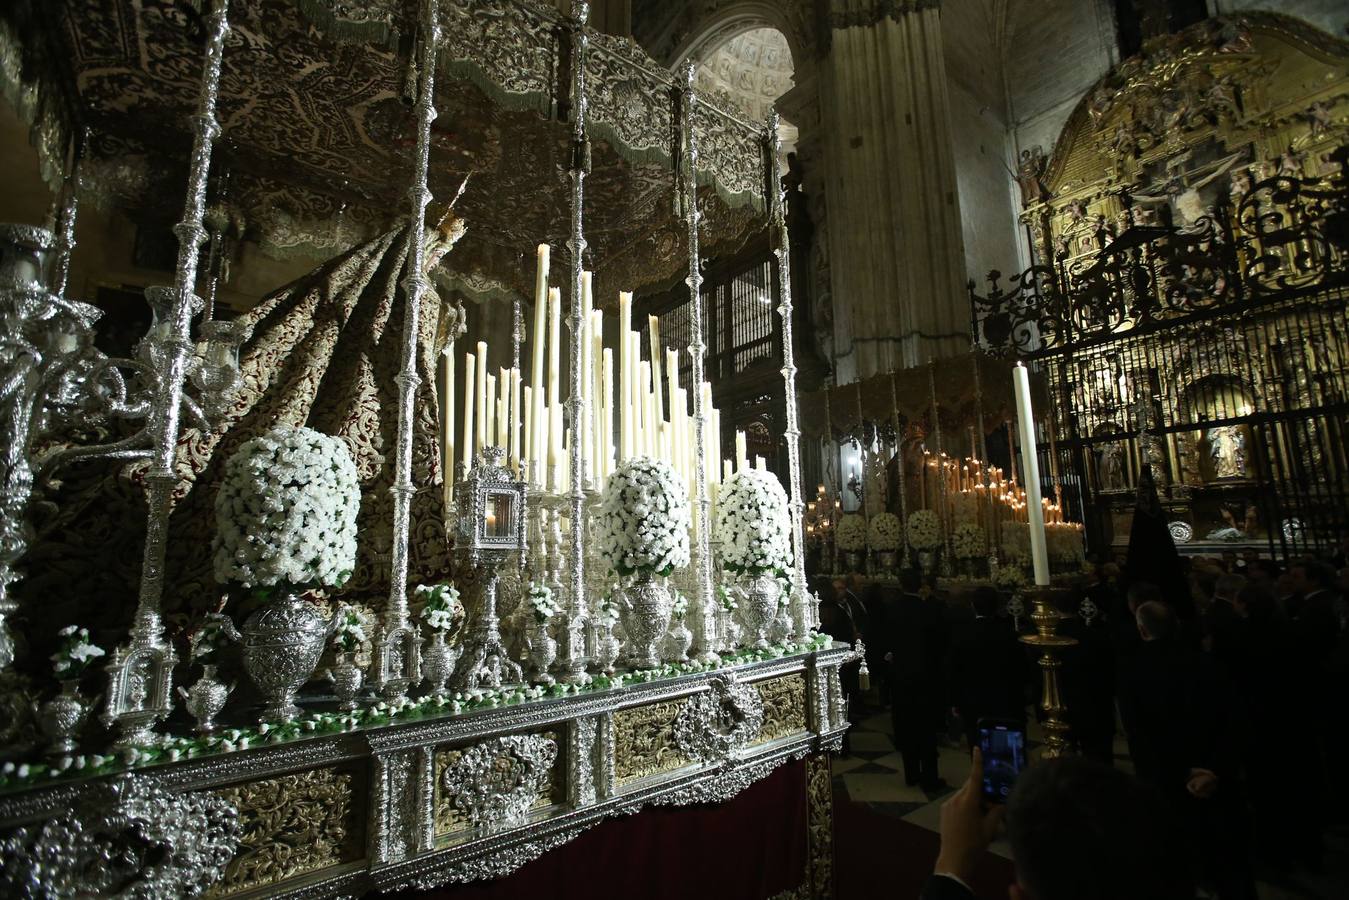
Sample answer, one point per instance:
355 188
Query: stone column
895 247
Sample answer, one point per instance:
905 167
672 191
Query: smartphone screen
1003 746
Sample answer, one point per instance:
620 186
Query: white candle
741 452
653 328
625 374
713 439
534 439
469 397
725 469
607 421
481 417
490 417
761 464
447 425
596 376
529 433
647 433
555 350
587 448
1030 474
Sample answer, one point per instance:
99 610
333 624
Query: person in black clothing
1088 684
836 621
986 668
1177 712
1078 831
916 645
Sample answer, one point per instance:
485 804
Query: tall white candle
481 437
648 432
490 419
741 452
713 439
529 433
447 423
607 422
536 374
625 375
653 329
596 381
555 350
1030 474
470 396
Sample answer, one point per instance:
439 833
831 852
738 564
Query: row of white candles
497 405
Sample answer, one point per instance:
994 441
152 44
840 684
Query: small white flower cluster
1010 578
75 653
441 608
852 533
751 523
541 601
679 608
1016 543
353 628
924 530
884 531
286 511
729 597
608 611
643 522
967 541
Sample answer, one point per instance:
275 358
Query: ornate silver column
65 226
702 612
397 656
571 651
803 612
140 673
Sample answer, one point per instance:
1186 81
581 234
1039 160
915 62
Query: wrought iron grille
1217 354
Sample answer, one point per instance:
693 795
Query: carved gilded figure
1227 447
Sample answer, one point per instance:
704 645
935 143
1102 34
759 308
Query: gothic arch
732 21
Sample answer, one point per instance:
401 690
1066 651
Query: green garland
172 748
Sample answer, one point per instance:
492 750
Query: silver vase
677 641
644 612
347 678
852 561
62 717
758 605
606 649
205 699
888 560
728 630
927 561
780 629
282 644
542 651
438 660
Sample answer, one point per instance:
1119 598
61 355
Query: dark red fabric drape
749 848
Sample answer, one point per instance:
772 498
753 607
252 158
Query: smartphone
1002 742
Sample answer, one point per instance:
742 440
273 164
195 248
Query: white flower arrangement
679 608
1016 543
967 541
643 522
851 536
884 532
541 601
286 511
1064 543
1010 578
751 523
353 627
924 530
75 654
441 609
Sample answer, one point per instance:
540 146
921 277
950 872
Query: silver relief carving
716 724
495 783
126 838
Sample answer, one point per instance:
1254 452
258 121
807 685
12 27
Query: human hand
1202 784
967 827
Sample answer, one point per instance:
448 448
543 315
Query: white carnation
643 522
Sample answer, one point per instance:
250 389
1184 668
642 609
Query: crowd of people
1225 680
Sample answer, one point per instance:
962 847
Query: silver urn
606 650
888 561
852 561
438 660
758 607
677 642
644 612
62 717
282 643
205 699
347 678
542 651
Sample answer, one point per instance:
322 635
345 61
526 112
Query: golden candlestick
1050 643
